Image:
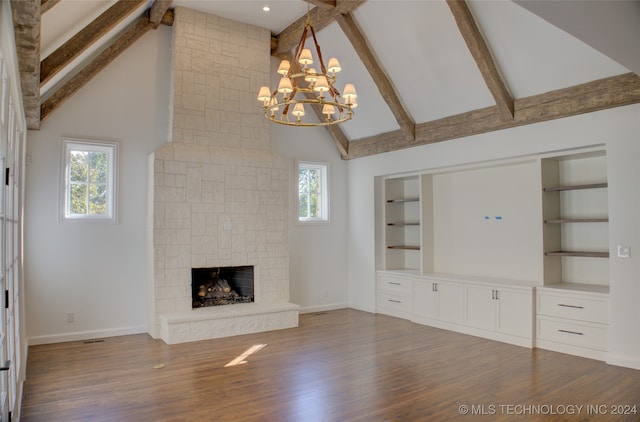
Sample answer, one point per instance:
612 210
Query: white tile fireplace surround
218 196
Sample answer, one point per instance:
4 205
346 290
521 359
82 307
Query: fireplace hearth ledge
225 321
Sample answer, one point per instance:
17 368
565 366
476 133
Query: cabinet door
450 301
515 312
481 307
424 299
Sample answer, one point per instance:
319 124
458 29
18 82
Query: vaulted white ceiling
416 43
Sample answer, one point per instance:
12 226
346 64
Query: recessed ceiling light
266 8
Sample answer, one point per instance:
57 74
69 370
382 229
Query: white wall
498 203
318 252
97 271
617 128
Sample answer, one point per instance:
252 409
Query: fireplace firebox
219 286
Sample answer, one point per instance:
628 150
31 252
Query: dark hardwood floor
343 365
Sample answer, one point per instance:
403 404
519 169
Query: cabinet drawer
573 307
389 300
393 284
569 332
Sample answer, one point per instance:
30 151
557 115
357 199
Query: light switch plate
624 251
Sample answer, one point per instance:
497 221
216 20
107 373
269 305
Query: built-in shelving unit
571 306
486 222
574 197
402 220
408 220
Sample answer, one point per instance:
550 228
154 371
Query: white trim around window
89 170
312 198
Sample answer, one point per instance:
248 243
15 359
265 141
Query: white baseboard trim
371 310
624 361
85 335
322 308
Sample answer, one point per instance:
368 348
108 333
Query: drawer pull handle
395 283
571 332
394 301
570 306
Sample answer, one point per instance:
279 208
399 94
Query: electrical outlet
71 317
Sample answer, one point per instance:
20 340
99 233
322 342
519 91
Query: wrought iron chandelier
301 84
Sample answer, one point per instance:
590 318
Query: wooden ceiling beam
482 56
26 25
158 10
82 40
321 17
341 140
46 5
168 18
593 96
129 36
388 92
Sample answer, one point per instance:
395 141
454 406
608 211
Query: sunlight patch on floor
241 360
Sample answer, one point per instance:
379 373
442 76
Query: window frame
324 192
111 148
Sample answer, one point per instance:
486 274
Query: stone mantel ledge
227 311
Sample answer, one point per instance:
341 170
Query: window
313 193
89 180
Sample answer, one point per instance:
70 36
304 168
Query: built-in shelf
579 253
405 247
578 287
576 220
404 224
402 200
574 187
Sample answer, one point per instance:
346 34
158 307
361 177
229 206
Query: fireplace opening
219 286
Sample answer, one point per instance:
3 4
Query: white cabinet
424 301
437 300
501 309
572 322
393 294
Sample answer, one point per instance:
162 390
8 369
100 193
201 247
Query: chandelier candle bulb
284 67
311 76
264 95
349 91
334 65
285 86
273 106
322 85
305 57
298 110
328 109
